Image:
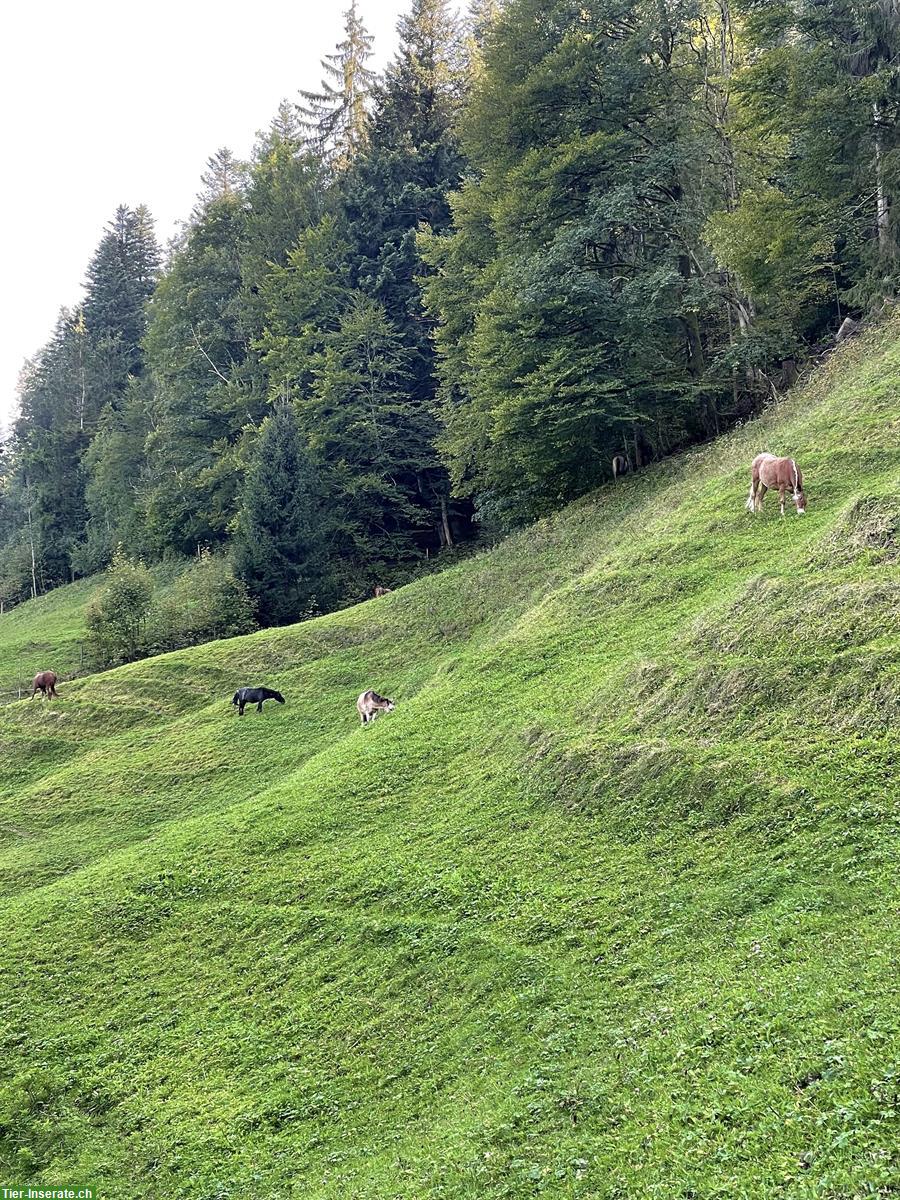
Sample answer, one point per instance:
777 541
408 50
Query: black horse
244 696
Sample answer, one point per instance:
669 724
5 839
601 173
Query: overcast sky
104 103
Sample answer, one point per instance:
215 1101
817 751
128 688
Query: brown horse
45 682
775 473
381 591
621 465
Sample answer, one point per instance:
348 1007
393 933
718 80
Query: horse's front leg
781 498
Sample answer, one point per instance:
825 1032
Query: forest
438 300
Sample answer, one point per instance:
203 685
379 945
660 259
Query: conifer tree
279 546
335 118
285 197
401 181
120 281
50 437
373 449
204 389
224 178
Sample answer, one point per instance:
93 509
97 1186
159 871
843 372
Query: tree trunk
34 590
882 208
445 523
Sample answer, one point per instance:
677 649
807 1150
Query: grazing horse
45 682
381 591
775 473
370 704
247 695
620 465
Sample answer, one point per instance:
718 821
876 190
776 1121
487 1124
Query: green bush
206 602
117 618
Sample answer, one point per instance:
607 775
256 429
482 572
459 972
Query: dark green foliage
203 397
285 196
374 447
57 413
399 183
346 336
403 178
819 102
120 280
574 316
209 386
279 545
82 372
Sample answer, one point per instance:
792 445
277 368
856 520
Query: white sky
105 103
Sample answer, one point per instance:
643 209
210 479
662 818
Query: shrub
207 602
117 617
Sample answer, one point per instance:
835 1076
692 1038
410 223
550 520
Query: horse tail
236 698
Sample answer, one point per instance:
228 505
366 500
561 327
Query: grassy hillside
43 634
48 633
606 908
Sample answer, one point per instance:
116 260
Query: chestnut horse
775 473
45 682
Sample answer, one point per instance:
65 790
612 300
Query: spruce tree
224 178
335 118
279 546
205 391
373 449
285 197
399 183
51 435
120 281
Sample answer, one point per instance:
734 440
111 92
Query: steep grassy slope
606 908
46 633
